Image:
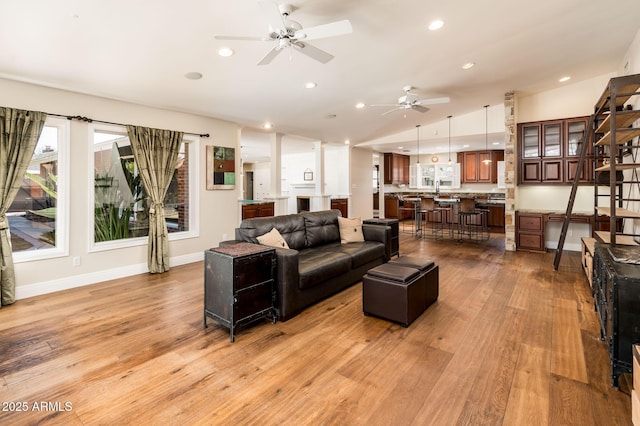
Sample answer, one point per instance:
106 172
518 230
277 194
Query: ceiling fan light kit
289 34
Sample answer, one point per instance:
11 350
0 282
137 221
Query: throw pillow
273 239
350 230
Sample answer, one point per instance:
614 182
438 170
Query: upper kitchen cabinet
396 169
480 166
549 151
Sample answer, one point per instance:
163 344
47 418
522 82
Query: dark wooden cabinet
257 210
480 166
341 204
239 284
549 152
530 231
616 288
496 217
391 205
396 169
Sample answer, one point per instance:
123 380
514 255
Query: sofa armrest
380 233
287 280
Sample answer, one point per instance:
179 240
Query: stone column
510 164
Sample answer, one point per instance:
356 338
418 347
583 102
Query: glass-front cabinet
425 176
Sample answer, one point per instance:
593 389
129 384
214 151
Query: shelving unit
617 144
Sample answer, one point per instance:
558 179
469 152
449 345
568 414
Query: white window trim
194 190
62 202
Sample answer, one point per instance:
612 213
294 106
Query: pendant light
418 138
449 117
486 134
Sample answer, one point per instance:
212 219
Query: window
38 216
121 206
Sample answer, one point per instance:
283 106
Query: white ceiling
140 51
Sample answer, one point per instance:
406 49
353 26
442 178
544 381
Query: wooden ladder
589 131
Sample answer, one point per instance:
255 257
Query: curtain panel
156 154
19 134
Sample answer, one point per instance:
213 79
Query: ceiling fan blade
420 108
270 56
326 30
391 110
225 37
433 101
272 13
313 52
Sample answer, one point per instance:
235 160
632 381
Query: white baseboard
44 287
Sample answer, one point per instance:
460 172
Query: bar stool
433 218
472 222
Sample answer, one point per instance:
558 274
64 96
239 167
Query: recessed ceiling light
565 78
401 147
225 51
468 65
193 75
465 146
310 85
436 25
360 105
495 143
347 142
267 125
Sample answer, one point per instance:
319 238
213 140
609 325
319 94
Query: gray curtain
19 134
156 154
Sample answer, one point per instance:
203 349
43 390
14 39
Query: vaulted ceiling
141 51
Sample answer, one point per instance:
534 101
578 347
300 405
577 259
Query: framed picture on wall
221 167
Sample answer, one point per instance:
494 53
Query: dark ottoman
394 292
429 268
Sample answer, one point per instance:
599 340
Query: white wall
336 171
261 180
361 200
218 210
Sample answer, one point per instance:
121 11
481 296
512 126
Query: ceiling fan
288 33
410 101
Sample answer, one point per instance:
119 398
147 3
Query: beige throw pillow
273 239
350 230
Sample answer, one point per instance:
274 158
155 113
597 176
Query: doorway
248 187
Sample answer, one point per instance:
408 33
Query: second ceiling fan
410 101
288 33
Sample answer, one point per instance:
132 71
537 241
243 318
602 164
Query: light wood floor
510 342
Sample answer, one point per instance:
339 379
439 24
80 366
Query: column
275 195
510 170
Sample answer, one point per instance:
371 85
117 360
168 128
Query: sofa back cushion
322 227
291 227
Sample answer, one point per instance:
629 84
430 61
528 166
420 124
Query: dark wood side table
239 284
394 225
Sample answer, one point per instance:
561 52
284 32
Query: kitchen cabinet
251 210
341 204
396 169
530 231
480 166
391 205
549 151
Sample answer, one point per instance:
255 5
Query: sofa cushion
321 227
362 253
317 265
350 230
273 239
291 227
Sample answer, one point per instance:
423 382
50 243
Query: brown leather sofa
316 265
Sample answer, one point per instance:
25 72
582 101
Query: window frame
193 142
63 198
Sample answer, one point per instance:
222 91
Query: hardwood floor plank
570 403
529 397
134 351
567 355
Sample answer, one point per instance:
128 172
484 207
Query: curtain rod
90 120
